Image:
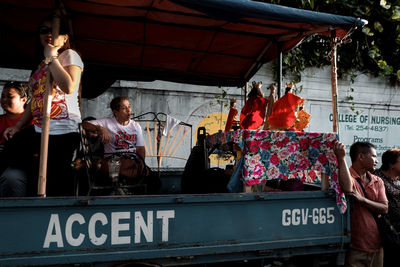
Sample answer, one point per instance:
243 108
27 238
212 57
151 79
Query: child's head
13 98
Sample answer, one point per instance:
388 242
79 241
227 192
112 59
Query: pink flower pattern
285 154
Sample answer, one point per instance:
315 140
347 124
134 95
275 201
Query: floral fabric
285 155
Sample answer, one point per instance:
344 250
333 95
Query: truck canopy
208 42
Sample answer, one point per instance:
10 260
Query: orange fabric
283 113
231 117
364 231
303 118
253 113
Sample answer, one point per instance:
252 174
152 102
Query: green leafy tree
374 50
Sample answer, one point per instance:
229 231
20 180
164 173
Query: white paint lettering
315 216
117 227
301 216
296 217
322 215
141 225
286 217
165 215
68 230
330 216
97 240
304 215
54 224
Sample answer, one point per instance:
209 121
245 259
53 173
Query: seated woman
14 178
122 137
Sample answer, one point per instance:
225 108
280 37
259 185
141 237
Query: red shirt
364 231
5 122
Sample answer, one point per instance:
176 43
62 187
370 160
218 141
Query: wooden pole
166 143
155 138
149 138
173 140
334 84
180 141
44 142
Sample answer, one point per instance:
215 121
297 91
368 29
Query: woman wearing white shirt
65 66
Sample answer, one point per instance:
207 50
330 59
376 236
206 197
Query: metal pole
334 83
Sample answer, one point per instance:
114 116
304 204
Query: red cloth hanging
253 113
283 114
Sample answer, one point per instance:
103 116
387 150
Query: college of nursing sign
377 126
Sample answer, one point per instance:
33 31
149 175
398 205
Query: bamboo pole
334 84
155 138
44 142
166 143
173 140
149 138
180 141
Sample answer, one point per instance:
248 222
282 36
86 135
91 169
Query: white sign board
380 127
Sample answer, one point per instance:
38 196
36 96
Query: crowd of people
21 125
374 193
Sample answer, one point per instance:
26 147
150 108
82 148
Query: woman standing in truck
65 66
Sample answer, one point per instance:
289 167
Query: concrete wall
189 103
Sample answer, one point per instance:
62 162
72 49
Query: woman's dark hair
64 29
19 87
360 148
390 157
114 104
90 118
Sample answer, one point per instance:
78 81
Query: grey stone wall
375 105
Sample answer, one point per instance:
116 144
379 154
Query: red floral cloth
285 155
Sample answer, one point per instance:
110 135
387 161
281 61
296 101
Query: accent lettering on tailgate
99 228
306 215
